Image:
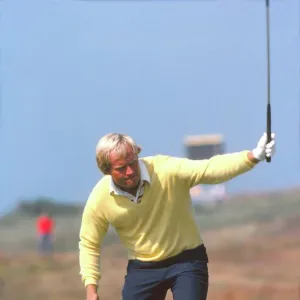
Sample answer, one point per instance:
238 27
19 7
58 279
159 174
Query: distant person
45 229
147 200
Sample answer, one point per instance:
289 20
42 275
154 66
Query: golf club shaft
268 159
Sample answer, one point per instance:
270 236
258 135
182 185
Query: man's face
125 169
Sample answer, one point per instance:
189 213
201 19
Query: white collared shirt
114 189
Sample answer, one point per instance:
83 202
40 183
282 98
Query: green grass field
18 231
252 241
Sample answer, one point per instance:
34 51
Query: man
45 230
147 200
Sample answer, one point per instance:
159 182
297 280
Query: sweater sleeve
93 229
218 169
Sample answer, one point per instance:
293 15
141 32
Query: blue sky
73 71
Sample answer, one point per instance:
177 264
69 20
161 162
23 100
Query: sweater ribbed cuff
90 281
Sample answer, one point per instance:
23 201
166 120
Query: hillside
253 244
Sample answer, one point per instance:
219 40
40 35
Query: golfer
147 200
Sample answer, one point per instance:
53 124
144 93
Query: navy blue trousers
186 275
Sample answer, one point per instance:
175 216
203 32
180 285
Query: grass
253 245
255 209
18 231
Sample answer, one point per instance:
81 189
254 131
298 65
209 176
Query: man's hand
91 292
263 148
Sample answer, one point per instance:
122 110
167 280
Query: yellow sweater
162 225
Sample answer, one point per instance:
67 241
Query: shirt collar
144 177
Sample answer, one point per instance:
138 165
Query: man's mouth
131 178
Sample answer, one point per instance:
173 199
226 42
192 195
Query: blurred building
204 147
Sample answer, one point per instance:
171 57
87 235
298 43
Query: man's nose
129 171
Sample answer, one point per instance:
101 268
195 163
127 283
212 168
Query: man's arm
221 168
217 169
93 229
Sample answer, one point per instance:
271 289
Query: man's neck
131 191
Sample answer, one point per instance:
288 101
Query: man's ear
139 149
107 172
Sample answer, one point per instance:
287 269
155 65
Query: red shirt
45 225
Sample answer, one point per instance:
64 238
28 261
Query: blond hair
113 142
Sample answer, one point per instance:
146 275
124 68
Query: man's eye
134 162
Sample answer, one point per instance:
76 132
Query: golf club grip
269 138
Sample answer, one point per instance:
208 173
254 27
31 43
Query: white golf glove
263 148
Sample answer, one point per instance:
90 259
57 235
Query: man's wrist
252 158
91 289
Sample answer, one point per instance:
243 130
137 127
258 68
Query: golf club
268 159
